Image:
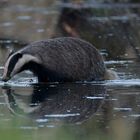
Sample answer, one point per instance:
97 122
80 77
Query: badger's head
16 63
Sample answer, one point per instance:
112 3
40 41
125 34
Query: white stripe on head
21 62
7 64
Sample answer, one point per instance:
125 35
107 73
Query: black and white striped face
15 63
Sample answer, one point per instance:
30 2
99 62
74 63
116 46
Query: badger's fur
59 59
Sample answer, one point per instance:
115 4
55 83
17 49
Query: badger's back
70 58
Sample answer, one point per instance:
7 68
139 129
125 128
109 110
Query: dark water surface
106 110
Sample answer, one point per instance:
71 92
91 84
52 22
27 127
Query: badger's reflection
70 102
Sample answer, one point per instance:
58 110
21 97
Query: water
81 110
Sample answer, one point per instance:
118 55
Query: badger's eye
19 55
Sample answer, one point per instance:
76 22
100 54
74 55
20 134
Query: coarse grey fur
64 59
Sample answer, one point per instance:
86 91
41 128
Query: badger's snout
5 78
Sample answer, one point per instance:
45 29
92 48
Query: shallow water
81 110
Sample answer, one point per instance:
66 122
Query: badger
63 59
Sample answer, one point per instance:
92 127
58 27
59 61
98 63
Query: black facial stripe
13 62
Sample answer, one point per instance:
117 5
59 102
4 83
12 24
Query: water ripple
122 82
101 5
94 98
62 115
